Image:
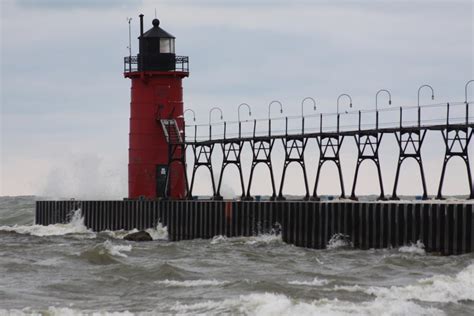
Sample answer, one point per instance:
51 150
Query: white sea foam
117 250
314 282
160 232
418 248
339 241
60 311
75 226
261 304
263 239
279 304
218 239
191 283
438 288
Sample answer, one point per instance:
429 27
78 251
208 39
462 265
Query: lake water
66 269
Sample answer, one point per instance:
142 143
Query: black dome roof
157 31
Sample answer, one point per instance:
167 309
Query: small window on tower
165 45
172 45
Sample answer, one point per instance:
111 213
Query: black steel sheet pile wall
446 228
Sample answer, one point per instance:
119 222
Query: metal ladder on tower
171 131
176 150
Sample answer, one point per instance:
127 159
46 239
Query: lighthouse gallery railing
130 64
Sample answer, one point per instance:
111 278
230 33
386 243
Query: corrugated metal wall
446 228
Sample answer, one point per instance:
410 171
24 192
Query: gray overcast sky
65 103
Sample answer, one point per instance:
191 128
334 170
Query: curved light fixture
192 111
270 107
343 95
425 86
302 104
377 95
211 110
238 110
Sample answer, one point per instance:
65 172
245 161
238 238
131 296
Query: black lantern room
156 48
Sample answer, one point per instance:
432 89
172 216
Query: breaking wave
418 248
75 226
160 232
117 250
279 304
260 304
339 241
438 288
105 253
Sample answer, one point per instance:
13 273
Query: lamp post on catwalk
156 97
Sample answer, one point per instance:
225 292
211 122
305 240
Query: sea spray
75 226
160 232
339 241
417 248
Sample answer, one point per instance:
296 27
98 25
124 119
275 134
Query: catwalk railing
427 117
409 125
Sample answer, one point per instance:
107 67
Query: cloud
63 89
77 4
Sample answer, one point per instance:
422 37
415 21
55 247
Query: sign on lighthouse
156 97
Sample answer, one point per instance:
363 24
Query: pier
161 188
368 128
445 228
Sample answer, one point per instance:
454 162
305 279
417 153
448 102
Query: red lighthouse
156 97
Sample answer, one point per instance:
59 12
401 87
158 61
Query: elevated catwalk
445 228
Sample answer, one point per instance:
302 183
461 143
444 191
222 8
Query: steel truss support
261 153
409 144
329 148
294 152
231 151
176 154
368 145
456 142
203 158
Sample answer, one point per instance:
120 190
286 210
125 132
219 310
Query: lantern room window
167 45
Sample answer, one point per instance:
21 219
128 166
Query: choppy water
66 269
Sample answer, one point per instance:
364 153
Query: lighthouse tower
156 101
